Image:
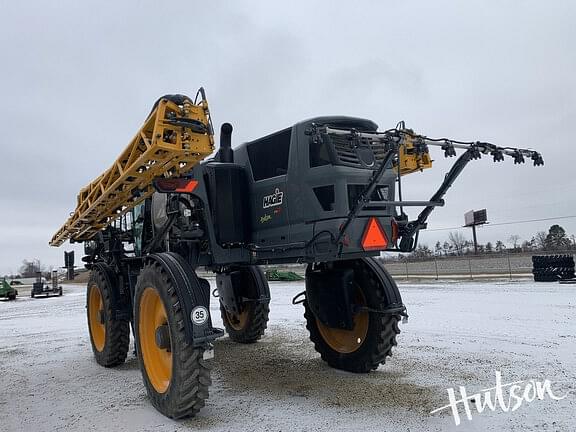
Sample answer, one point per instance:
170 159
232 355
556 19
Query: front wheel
373 335
174 373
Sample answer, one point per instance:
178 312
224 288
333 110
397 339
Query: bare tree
457 240
527 246
540 240
514 239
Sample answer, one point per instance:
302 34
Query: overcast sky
78 79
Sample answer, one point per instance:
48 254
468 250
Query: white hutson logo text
507 397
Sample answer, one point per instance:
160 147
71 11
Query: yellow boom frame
411 161
169 144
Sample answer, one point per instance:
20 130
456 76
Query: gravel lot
458 334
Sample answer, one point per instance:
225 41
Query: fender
192 292
329 292
393 297
120 307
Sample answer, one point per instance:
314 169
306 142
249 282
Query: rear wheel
373 335
175 374
248 326
109 337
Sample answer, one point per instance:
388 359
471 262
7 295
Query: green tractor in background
7 291
283 276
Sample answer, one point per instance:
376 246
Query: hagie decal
273 200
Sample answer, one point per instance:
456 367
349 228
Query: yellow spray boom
176 136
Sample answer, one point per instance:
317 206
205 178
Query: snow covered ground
458 334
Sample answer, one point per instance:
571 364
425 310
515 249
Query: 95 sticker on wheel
199 315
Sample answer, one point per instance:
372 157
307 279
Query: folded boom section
176 136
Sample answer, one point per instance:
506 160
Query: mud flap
240 285
120 306
329 294
194 296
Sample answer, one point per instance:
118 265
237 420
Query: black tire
12 297
32 294
251 327
114 350
59 291
189 379
380 336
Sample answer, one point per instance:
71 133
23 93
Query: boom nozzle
537 159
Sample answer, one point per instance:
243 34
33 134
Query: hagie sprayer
325 192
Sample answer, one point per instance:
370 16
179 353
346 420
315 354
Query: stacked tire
552 268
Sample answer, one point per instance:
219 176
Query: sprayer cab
303 184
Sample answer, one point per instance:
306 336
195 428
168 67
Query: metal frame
174 138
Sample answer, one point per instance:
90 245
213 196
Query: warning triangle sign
374 236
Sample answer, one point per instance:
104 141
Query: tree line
29 269
556 239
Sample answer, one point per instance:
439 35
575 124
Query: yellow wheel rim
95 312
157 361
238 321
347 341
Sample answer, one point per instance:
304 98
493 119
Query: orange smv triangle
374 236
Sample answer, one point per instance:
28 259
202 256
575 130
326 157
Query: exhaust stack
226 152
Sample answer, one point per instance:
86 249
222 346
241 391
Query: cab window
269 156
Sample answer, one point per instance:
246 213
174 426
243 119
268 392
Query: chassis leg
366 340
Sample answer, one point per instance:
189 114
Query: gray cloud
78 79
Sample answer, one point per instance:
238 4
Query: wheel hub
163 337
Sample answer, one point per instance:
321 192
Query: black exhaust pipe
226 152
